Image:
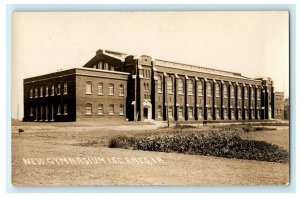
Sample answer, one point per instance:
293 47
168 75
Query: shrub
218 144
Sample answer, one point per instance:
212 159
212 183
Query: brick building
115 85
279 105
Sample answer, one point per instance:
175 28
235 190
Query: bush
217 144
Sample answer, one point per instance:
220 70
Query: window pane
88 87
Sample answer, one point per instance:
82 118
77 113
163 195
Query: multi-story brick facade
279 105
119 86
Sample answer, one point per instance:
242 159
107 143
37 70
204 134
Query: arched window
100 88
190 87
121 110
252 93
169 85
208 89
239 92
217 90
180 86
121 90
200 88
225 91
111 89
88 89
159 84
88 109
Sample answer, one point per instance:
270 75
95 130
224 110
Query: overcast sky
251 43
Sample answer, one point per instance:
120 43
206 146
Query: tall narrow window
88 89
246 92
208 113
170 112
225 113
232 92
100 109
100 65
65 88
159 115
47 91
170 85
200 112
47 113
65 109
41 91
111 89
111 109
31 111
31 93
217 90
100 88
190 87
258 94
58 89
217 113
200 88
239 92
36 93
52 90
191 114
180 86
180 112
105 65
59 109
36 113
159 84
208 88
88 109
41 119
121 110
52 112
121 90
225 91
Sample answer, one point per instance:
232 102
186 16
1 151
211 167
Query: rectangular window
100 109
170 112
217 113
52 90
65 88
47 91
208 113
225 91
88 109
232 114
52 112
41 119
200 112
59 109
58 89
191 114
88 87
31 93
121 90
31 111
36 113
200 89
36 93
258 94
111 89
41 91
225 113
121 109
47 113
65 109
111 109
180 112
159 115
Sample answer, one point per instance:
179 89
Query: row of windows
103 66
200 112
39 92
38 111
111 88
100 109
146 73
209 90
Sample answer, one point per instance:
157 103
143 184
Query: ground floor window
252 113
88 109
159 111
200 112
100 109
41 113
225 113
232 114
208 113
65 109
170 112
111 109
31 111
258 114
121 109
217 113
47 112
246 113
36 112
240 113
180 112
52 112
191 115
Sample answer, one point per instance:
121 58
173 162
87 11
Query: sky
254 43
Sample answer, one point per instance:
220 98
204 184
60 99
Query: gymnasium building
118 86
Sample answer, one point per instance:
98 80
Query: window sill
65 93
122 95
121 114
111 114
100 94
58 114
88 93
100 114
110 94
65 114
159 92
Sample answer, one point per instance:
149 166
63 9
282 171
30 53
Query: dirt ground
50 142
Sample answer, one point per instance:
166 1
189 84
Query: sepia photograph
132 98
